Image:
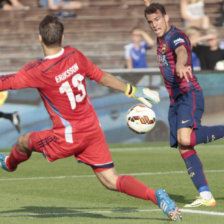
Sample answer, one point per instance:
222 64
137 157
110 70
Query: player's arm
7 82
18 80
128 63
145 95
182 70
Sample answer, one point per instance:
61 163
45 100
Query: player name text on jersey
67 73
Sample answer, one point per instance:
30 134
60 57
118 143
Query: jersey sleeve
24 78
127 51
176 40
91 70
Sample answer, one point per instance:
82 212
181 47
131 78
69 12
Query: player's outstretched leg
167 205
205 134
131 186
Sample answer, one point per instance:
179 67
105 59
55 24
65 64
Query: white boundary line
107 212
152 148
91 176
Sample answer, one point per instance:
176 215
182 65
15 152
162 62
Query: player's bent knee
110 186
110 183
108 178
22 143
184 142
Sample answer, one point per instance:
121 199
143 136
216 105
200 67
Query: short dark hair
51 30
153 8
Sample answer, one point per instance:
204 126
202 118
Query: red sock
133 187
15 158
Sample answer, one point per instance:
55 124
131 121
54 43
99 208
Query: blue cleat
2 162
167 205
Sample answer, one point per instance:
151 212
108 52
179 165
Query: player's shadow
180 199
54 212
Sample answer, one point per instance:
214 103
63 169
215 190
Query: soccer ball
141 119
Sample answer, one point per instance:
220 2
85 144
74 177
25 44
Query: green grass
68 192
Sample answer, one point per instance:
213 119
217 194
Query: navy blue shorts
186 111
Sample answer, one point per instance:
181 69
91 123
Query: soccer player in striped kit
186 98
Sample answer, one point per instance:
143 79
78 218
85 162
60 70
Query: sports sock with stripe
195 170
16 157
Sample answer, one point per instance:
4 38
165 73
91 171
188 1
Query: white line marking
202 212
91 176
109 212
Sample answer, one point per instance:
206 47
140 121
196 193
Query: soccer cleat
16 121
3 162
167 205
201 202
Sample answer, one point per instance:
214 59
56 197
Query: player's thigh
108 178
190 109
96 152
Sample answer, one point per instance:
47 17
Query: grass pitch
67 192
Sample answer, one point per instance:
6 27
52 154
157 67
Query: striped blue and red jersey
167 59
60 80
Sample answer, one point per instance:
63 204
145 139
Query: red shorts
87 147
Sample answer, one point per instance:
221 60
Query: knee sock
205 134
133 187
16 157
195 170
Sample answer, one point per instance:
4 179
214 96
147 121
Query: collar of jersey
55 55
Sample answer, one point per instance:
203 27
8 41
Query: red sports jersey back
60 79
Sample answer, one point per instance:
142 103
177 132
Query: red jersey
60 80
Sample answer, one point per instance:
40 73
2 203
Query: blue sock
205 134
195 170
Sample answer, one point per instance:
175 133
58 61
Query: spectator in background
193 34
60 4
210 53
135 52
9 5
221 20
193 14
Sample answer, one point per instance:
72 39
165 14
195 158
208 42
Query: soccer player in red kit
60 79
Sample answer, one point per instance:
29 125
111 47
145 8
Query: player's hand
148 2
184 72
145 95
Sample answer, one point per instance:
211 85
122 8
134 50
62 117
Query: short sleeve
176 40
91 70
127 51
